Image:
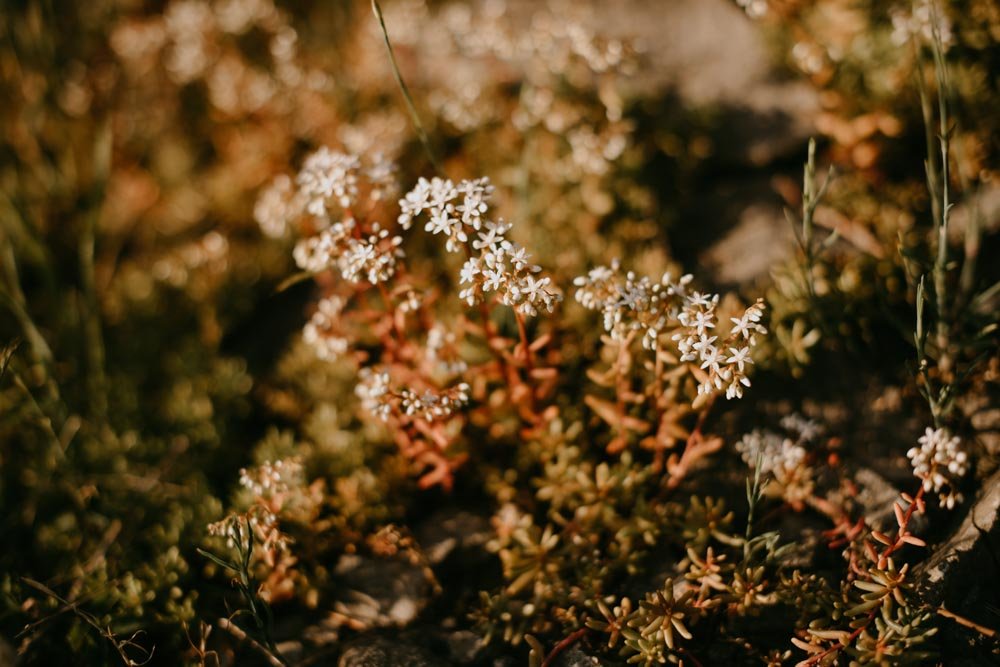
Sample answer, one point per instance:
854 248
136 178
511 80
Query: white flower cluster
725 368
753 8
320 252
638 304
372 257
777 455
381 175
807 430
192 40
553 41
939 461
630 303
593 152
271 479
431 406
277 204
439 197
919 22
373 390
328 181
556 48
495 264
320 332
328 175
441 349
783 458
377 397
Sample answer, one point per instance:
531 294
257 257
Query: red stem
562 646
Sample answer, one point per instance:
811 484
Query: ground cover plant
479 333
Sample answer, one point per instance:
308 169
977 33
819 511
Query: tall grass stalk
414 116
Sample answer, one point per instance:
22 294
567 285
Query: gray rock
876 496
737 230
963 577
577 657
384 652
760 239
448 530
382 593
464 646
965 569
714 57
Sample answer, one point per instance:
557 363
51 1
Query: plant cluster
282 310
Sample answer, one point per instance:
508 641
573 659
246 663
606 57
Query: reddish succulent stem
387 302
529 361
889 550
562 646
692 449
522 331
621 387
491 335
898 542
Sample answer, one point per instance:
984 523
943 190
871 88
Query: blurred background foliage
150 347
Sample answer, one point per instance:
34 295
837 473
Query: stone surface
445 531
577 657
760 239
385 652
876 495
380 592
464 646
966 567
963 576
713 56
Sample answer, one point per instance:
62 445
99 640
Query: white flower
381 174
703 344
475 202
469 270
492 237
373 390
940 462
711 358
703 320
739 357
414 203
328 174
320 331
501 266
442 194
276 206
772 451
495 278
806 429
704 300
431 405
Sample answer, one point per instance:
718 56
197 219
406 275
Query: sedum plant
291 372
